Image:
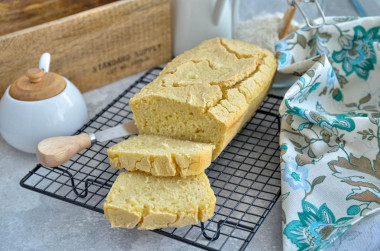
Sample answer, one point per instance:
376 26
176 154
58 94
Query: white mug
194 21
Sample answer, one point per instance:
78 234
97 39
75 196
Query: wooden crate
93 47
16 15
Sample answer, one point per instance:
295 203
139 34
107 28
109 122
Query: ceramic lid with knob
37 85
39 105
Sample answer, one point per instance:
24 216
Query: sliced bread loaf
206 94
151 202
161 156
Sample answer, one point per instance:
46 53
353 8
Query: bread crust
206 94
190 158
122 210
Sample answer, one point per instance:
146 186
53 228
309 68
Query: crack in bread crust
237 55
235 86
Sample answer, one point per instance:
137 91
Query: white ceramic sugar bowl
39 105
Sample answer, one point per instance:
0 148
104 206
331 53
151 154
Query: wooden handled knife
55 151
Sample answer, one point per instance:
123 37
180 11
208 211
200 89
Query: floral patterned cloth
330 131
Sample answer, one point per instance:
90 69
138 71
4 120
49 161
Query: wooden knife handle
55 151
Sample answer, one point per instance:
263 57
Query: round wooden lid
37 85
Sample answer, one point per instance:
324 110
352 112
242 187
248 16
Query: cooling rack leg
88 182
221 223
216 235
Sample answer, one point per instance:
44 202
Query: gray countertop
32 221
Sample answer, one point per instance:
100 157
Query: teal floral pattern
295 175
330 130
315 227
358 54
318 43
283 57
331 78
324 120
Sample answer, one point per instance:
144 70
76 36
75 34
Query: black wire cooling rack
245 177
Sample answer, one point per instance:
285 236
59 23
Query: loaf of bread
206 94
152 202
161 156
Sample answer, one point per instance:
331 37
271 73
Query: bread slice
151 202
206 94
161 156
